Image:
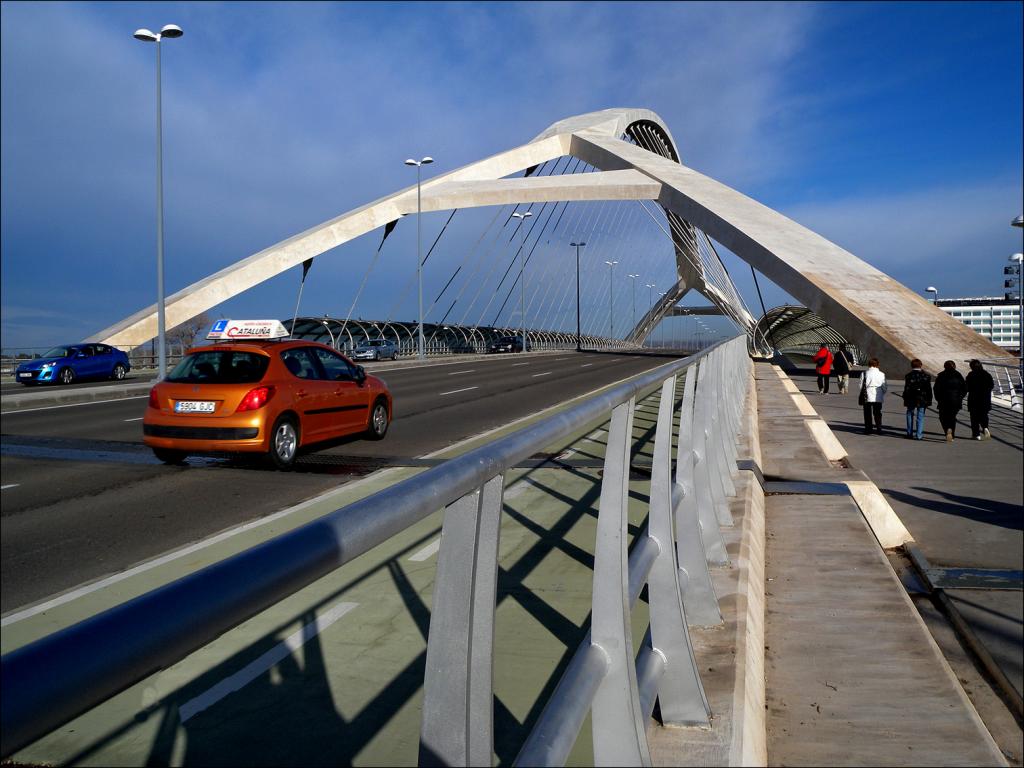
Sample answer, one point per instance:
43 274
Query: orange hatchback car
267 397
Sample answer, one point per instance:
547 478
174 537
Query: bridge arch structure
637 159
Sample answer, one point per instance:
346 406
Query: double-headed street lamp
611 299
421 353
935 294
633 279
169 31
577 246
650 290
522 273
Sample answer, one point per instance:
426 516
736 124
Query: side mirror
79 354
360 374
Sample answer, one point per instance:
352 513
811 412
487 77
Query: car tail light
255 399
153 401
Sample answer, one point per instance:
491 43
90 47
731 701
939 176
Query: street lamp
421 353
935 291
577 246
170 31
633 278
611 299
522 273
651 287
1019 269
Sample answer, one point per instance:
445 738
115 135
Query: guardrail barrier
50 681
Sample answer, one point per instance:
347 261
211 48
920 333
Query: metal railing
1007 382
50 681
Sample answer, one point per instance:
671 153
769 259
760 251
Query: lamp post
611 299
522 271
577 246
633 279
1017 259
170 31
935 294
421 353
664 330
650 291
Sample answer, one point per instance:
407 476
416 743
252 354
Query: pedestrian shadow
988 511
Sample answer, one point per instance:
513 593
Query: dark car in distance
508 344
67 364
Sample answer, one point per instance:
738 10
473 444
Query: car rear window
220 366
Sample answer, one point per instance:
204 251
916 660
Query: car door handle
301 393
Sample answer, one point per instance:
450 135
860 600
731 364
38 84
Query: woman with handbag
872 394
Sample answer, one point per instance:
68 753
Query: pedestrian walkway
853 676
961 501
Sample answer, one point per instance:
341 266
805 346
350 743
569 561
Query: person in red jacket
823 365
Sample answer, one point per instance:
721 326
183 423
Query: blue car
63 365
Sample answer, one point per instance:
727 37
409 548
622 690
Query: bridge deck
853 675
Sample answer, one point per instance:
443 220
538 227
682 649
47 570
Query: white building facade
994 317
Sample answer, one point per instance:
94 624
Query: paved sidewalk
962 502
853 676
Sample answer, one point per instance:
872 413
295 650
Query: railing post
714 545
619 735
723 428
694 578
458 719
681 693
710 380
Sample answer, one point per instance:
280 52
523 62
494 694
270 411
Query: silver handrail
50 681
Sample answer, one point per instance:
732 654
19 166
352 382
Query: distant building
997 318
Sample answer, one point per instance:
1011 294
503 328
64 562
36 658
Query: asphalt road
83 498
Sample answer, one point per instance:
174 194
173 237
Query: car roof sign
231 330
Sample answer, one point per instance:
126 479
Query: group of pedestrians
949 390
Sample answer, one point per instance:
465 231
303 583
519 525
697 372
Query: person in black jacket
979 400
950 389
841 366
917 395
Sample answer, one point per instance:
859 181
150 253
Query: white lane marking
546 373
586 365
596 434
456 373
254 669
72 405
516 365
561 358
426 552
615 360
10 485
464 389
140 418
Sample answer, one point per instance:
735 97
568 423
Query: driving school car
253 391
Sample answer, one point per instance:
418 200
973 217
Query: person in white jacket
872 394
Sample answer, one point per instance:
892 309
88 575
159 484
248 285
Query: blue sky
892 129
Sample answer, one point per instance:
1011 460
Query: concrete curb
20 402
750 727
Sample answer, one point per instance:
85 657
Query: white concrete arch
882 317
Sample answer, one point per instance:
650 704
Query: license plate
194 406
25 375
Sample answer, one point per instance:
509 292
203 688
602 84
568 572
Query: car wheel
119 372
66 376
284 443
170 456
378 420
